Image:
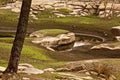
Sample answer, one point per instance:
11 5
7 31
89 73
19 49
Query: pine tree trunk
19 38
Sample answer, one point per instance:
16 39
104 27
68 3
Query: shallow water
69 47
77 44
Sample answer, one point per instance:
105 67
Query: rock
102 79
17 10
66 38
80 8
54 42
83 71
87 78
29 69
118 15
112 77
48 6
36 34
105 14
34 16
106 46
62 69
91 61
25 78
35 7
33 71
26 65
60 15
93 73
73 13
76 68
116 31
21 68
117 38
6 7
35 12
87 73
2 68
103 75
49 70
72 68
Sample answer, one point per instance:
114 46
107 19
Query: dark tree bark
19 38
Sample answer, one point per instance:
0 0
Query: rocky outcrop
106 46
116 32
50 42
36 34
29 69
90 68
77 8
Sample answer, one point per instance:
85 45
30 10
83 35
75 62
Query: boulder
49 70
72 67
112 77
25 78
106 46
36 34
87 78
29 69
17 10
60 15
65 69
2 69
34 16
116 32
61 39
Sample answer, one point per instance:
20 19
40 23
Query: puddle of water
77 44
69 47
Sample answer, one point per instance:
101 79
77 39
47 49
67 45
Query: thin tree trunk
19 38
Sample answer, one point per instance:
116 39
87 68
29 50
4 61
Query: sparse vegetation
102 68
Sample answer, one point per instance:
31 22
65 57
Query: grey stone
112 77
25 78
93 73
29 69
2 68
106 46
87 73
62 69
115 31
36 34
49 70
49 42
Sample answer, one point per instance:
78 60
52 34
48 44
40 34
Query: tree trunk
19 38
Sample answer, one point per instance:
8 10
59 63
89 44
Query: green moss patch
32 54
53 32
